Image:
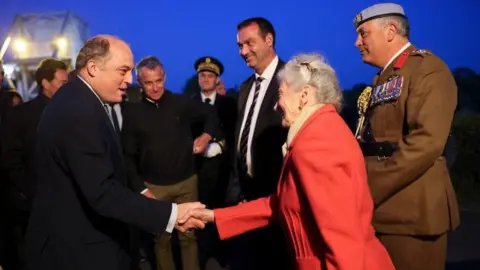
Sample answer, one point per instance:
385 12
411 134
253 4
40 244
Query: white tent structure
34 37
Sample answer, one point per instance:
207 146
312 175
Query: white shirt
211 97
173 214
115 108
396 55
213 149
267 76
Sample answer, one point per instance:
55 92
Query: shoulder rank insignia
421 52
362 106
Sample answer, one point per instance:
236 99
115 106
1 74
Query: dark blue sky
180 31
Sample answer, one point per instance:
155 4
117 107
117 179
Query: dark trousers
212 184
212 181
13 240
416 252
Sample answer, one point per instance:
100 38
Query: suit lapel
198 97
272 91
271 97
98 107
267 103
218 101
242 103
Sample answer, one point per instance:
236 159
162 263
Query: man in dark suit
213 165
18 136
259 137
82 209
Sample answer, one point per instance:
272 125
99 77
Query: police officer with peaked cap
213 166
405 120
208 63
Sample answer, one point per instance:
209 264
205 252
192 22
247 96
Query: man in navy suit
83 209
259 136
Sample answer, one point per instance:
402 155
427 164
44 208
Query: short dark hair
265 26
47 68
97 47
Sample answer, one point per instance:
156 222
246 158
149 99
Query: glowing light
20 45
61 43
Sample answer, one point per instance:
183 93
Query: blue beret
378 11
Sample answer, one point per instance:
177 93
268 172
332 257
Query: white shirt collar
211 97
396 55
267 74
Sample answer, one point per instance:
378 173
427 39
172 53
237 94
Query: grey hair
403 27
149 62
313 70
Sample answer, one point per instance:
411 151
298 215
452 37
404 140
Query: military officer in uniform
405 120
214 164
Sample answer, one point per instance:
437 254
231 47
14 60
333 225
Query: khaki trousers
185 191
416 252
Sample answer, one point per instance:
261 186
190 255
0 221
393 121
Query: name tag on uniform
389 91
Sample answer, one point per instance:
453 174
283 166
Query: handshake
193 215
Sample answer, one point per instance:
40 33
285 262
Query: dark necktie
248 121
114 118
208 101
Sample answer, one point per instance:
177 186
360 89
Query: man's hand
201 142
184 214
191 223
204 215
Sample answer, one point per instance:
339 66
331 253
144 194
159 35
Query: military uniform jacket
413 103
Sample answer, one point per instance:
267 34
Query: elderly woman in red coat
323 202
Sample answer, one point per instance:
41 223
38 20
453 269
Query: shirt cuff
173 218
143 191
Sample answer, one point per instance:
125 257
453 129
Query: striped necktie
248 121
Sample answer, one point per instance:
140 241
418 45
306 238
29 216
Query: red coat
323 201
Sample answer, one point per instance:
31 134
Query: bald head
105 62
98 48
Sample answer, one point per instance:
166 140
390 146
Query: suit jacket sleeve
242 218
199 112
85 151
430 109
229 122
13 155
131 151
324 179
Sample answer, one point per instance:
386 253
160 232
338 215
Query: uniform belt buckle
381 151
380 158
